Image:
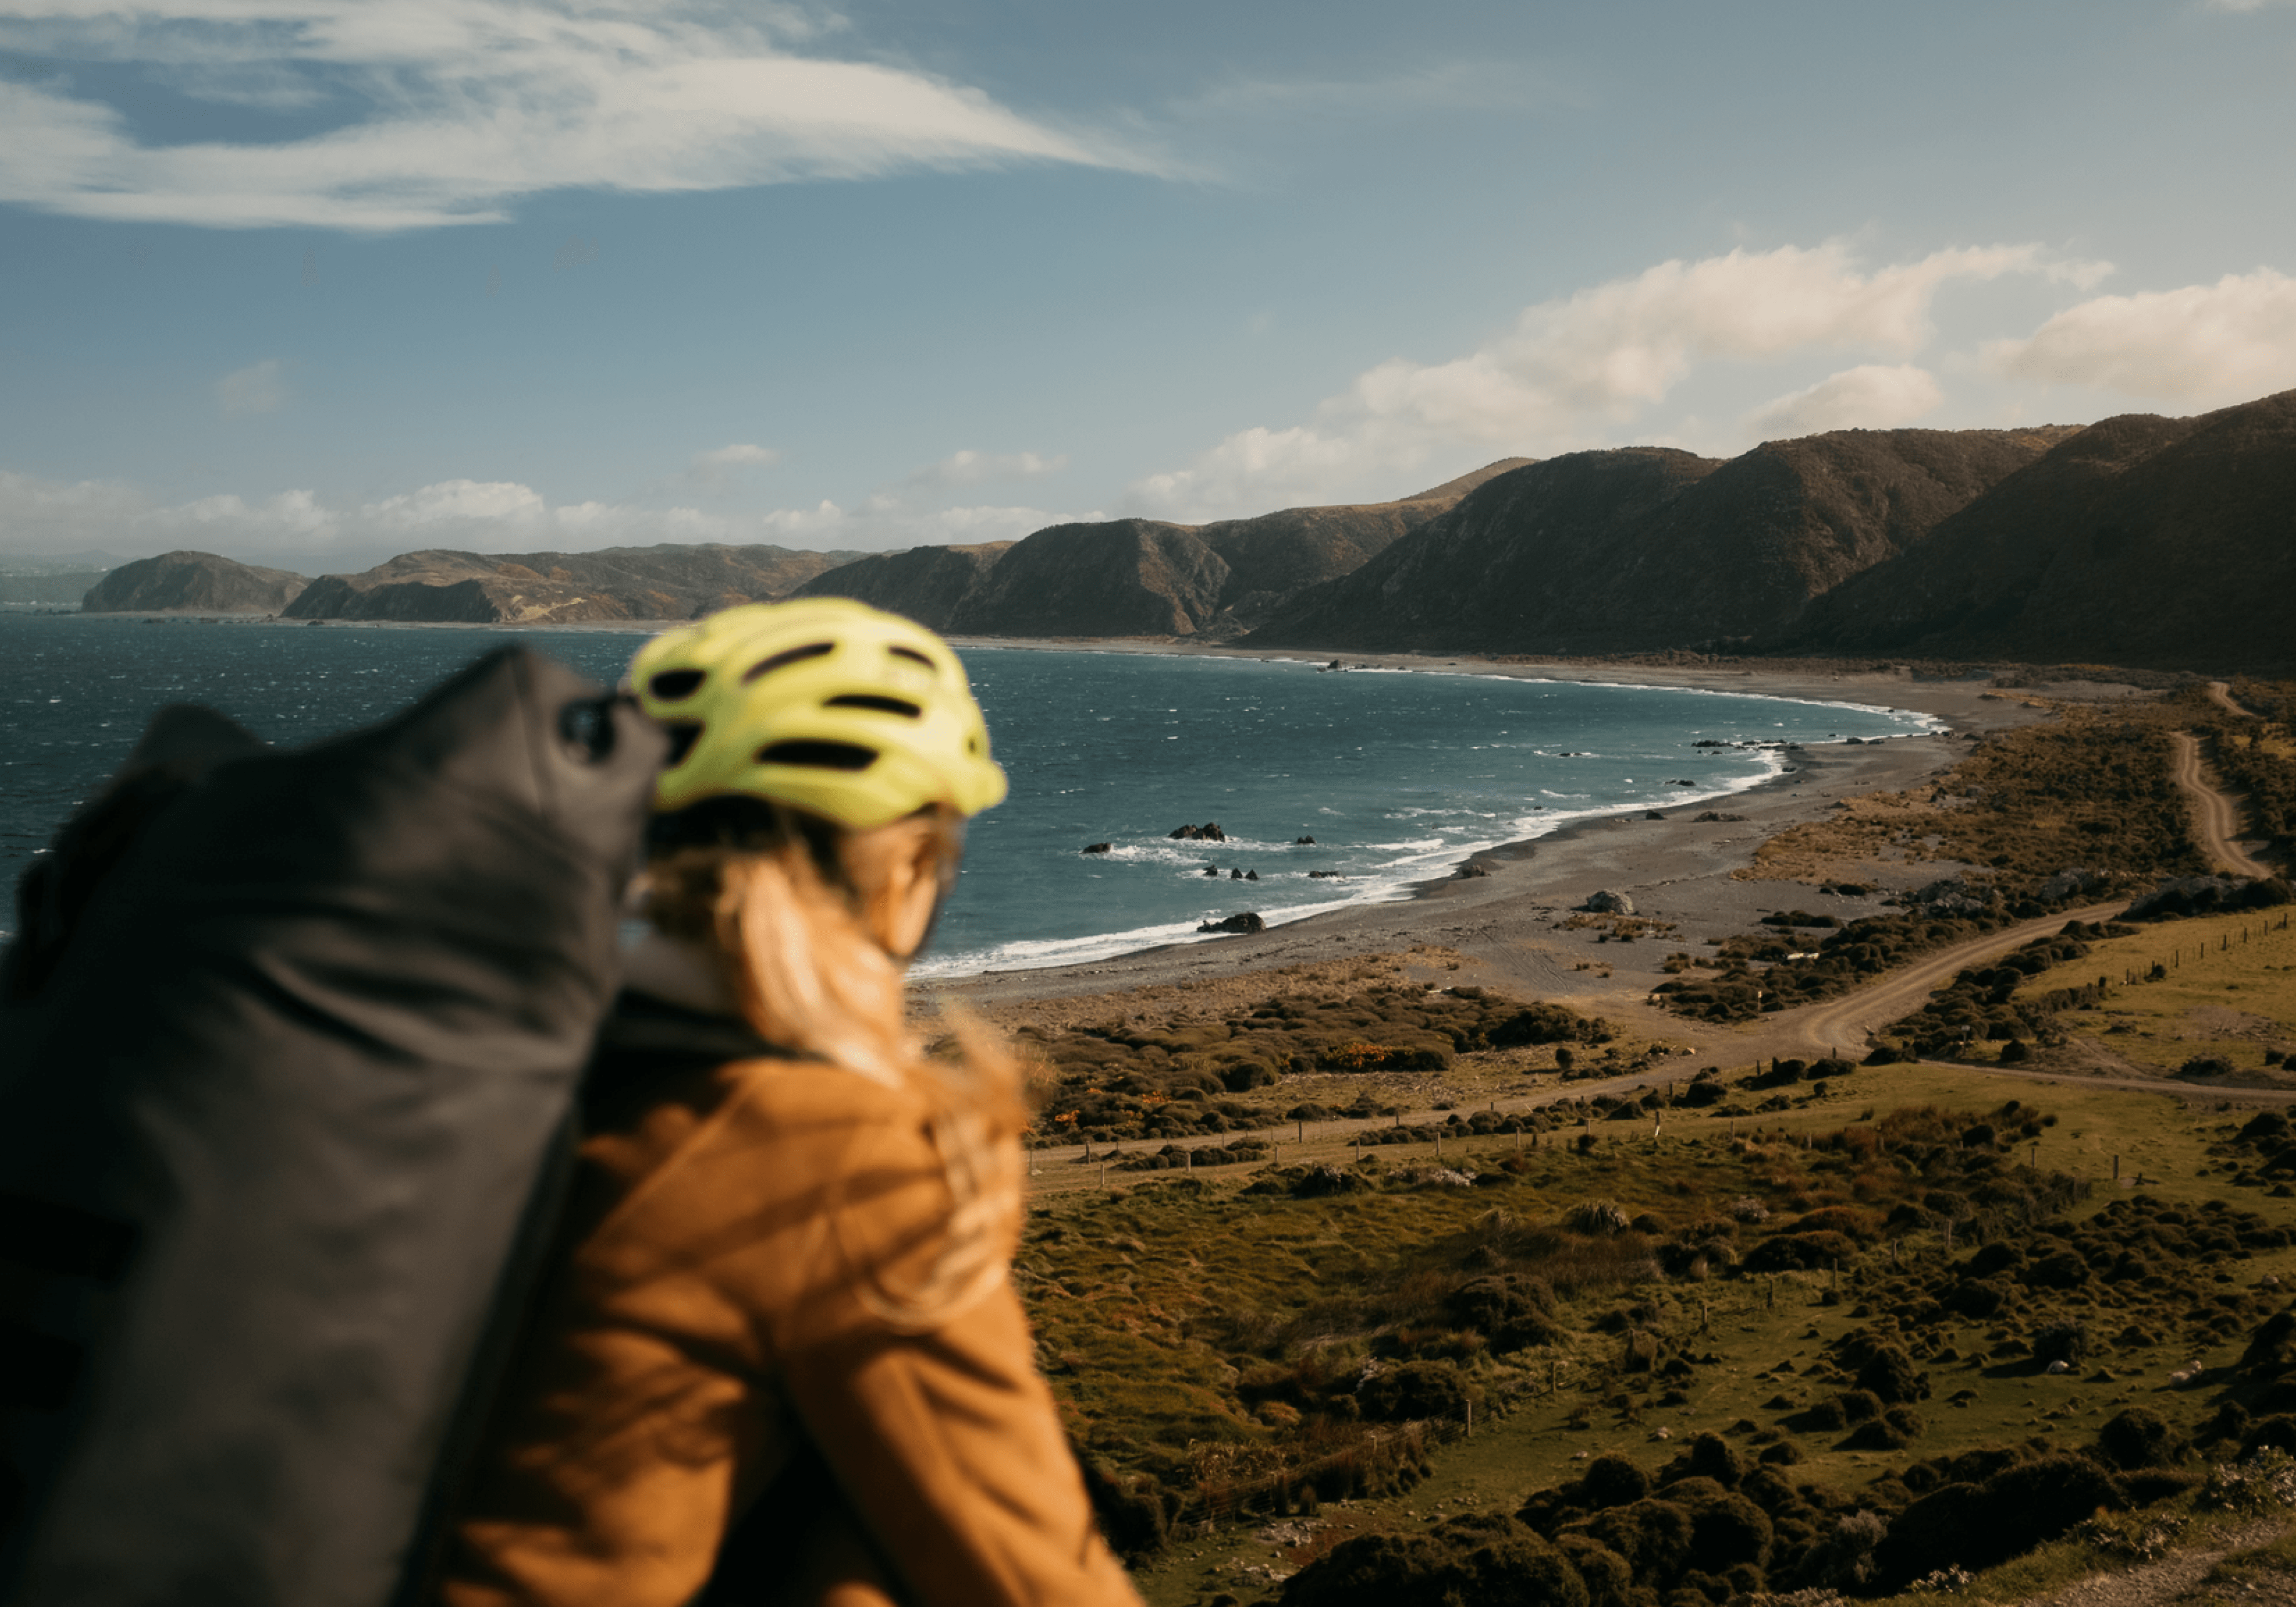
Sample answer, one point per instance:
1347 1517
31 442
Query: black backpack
286 1066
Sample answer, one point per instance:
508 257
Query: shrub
2139 1438
1890 1374
1597 1218
1612 1481
1414 1390
1475 1558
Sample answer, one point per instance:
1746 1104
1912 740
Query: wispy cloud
719 464
451 112
969 468
2203 343
258 387
489 516
1871 395
1574 371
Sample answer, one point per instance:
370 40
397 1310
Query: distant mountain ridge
1140 577
192 583
1643 547
2143 540
2139 540
666 582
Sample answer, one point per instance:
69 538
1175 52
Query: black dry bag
277 1104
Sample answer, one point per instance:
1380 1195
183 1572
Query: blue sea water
1396 775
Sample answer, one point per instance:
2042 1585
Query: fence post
1104 1174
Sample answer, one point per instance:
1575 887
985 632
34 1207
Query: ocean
1396 775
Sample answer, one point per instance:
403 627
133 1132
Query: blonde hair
797 955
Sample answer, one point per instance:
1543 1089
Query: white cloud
2203 343
258 387
451 111
718 468
969 468
487 516
1572 371
1868 396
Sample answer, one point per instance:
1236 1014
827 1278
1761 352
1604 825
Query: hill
1138 577
1646 547
930 585
2147 541
192 583
665 582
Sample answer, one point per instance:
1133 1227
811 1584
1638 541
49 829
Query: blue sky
316 280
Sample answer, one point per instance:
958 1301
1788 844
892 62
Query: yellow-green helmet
829 706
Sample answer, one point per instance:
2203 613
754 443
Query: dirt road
2215 816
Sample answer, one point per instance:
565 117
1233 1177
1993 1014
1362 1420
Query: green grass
2218 968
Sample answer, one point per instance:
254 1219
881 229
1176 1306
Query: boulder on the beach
1608 903
1247 922
1715 816
1099 848
1209 832
1653 815
1474 868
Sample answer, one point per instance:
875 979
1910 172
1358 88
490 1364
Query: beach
1507 927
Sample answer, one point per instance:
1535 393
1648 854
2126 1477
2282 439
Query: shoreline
1507 928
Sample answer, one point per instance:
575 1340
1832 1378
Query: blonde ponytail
809 978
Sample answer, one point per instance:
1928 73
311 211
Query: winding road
2215 816
1841 1025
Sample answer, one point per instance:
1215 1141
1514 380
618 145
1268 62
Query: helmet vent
672 684
818 755
811 649
682 734
883 705
912 654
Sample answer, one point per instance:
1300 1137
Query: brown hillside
666 582
1132 576
930 585
2163 543
1643 547
193 583
1127 577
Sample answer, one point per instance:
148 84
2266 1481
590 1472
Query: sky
313 282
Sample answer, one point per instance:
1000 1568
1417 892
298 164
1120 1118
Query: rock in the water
1304 841
1211 870
1608 903
1099 848
1326 875
1209 832
1247 922
1251 875
1235 875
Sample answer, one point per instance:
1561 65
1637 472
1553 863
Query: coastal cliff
192 583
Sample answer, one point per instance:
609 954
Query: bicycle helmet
829 706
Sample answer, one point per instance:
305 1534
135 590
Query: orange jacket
705 1324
